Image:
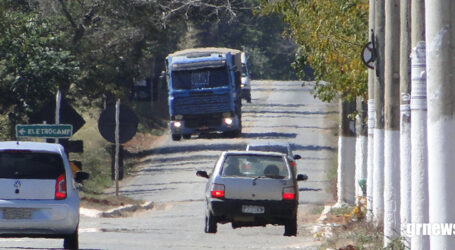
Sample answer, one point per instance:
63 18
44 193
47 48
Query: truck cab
204 92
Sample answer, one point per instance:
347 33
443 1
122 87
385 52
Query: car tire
290 228
210 224
71 241
176 137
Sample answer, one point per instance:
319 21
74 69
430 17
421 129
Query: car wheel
187 136
290 228
176 137
210 223
71 241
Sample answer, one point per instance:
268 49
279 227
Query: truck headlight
228 121
177 124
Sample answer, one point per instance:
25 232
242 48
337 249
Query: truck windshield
200 78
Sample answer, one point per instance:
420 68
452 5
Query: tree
33 64
330 35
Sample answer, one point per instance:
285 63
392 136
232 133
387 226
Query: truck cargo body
204 92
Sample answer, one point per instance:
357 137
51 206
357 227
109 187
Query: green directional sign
44 130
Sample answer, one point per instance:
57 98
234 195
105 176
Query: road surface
280 110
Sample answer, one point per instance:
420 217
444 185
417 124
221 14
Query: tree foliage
330 35
33 64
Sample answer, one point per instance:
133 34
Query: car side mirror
297 157
201 173
81 176
302 177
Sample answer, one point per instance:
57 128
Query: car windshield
201 78
30 165
255 166
269 148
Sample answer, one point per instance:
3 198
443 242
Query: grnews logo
422 229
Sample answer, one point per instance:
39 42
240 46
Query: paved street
166 176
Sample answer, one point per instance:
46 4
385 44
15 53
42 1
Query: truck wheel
176 137
71 241
210 224
187 136
290 227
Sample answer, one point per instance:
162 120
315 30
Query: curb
115 212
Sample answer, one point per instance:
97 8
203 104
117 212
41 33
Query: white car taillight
288 193
60 187
217 191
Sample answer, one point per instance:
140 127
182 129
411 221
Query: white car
251 188
38 193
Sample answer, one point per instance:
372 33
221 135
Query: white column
440 39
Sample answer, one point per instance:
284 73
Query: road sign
44 130
67 115
128 123
368 55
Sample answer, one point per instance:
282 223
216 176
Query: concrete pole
419 161
361 146
392 122
346 160
371 109
405 118
378 171
440 37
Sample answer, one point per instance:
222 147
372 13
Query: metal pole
371 109
440 38
58 101
392 122
378 171
405 118
419 160
117 144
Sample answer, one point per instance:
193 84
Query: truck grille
201 104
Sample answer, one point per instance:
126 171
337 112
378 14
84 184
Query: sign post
44 130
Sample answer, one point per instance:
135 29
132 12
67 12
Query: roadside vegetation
95 51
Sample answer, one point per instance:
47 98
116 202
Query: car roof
34 146
262 153
268 143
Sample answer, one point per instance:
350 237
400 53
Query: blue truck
204 91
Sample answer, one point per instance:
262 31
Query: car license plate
204 127
17 213
252 209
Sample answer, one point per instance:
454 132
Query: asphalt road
166 176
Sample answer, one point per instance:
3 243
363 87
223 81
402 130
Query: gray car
38 192
275 146
252 188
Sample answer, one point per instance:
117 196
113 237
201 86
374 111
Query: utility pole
392 122
371 109
419 160
346 160
405 118
440 22
361 146
378 171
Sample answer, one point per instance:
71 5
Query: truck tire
176 137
